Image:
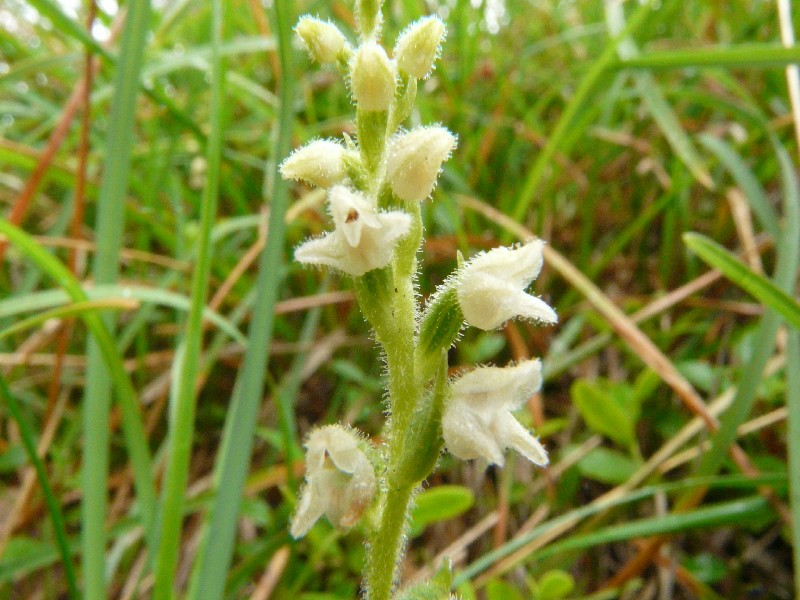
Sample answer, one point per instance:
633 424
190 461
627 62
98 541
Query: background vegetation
131 283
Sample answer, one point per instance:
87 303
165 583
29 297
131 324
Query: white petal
491 287
520 439
351 211
519 265
467 436
309 509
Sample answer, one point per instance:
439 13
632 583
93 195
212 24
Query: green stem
385 544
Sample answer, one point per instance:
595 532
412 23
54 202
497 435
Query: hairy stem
386 542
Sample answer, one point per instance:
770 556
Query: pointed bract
340 480
415 160
418 47
320 163
363 238
477 420
491 287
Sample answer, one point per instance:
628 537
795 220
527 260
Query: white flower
477 420
340 480
372 77
323 40
319 163
415 159
418 47
491 287
363 239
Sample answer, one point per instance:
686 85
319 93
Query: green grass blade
564 127
575 516
724 513
763 56
133 428
208 580
53 507
70 310
759 287
108 233
745 179
785 277
181 431
48 299
793 440
654 100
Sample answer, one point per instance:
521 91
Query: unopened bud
319 163
372 76
418 47
322 39
415 160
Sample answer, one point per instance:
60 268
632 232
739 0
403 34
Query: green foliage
439 503
609 148
609 408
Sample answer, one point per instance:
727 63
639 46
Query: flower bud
372 76
418 47
415 159
323 40
340 480
319 163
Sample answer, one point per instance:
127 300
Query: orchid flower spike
491 287
363 239
340 480
477 420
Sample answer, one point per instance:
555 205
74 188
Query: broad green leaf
500 590
604 413
555 584
607 466
439 504
759 287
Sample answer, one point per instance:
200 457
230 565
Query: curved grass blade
599 506
564 127
48 299
132 425
724 513
745 179
70 310
759 287
656 103
53 507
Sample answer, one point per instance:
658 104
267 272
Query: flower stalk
374 192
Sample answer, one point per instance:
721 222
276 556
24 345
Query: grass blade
108 232
53 507
230 472
793 439
133 428
763 56
759 287
745 179
657 105
564 127
181 426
